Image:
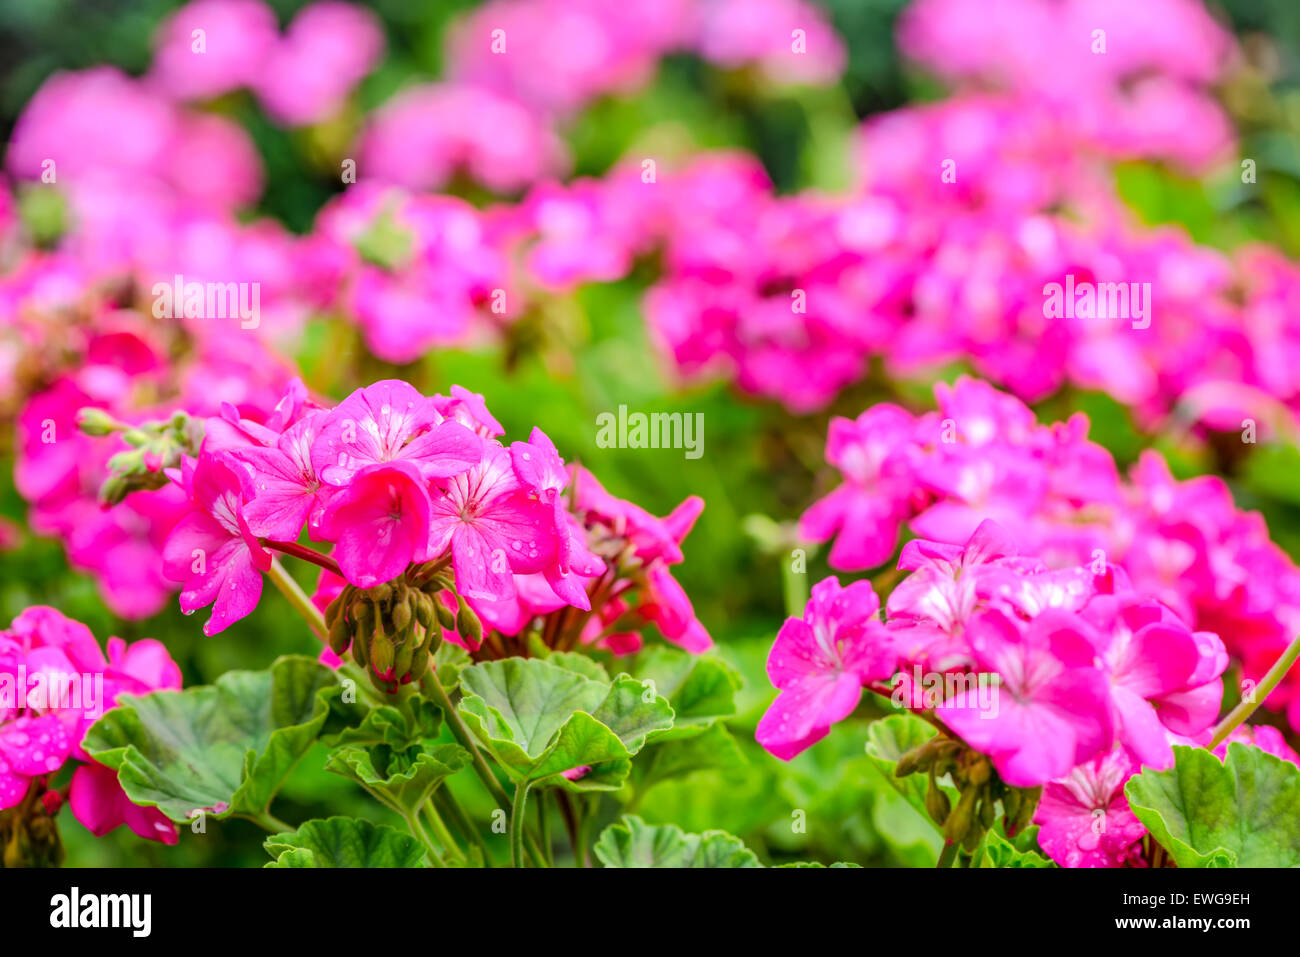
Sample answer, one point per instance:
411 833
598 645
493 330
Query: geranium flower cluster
55 682
416 492
982 455
1065 677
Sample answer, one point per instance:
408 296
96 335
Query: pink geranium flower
387 422
820 662
539 467
288 490
1052 708
1147 653
1084 816
494 526
380 523
212 550
866 511
98 801
29 747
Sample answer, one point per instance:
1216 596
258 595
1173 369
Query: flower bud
340 635
1025 813
424 610
445 616
962 816
96 422
937 804
382 654
401 616
468 625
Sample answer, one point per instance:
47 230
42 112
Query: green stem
316 622
441 833
417 829
1265 687
447 805
544 823
434 689
794 585
947 855
298 598
268 822
517 824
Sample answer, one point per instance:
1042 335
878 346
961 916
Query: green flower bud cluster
154 446
979 791
393 629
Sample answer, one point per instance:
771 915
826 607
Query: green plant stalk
794 586
947 855
449 807
268 822
440 831
544 823
417 829
1245 708
434 689
518 822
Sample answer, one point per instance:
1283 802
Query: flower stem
441 833
417 829
305 553
448 806
947 855
434 689
298 598
1265 687
316 622
517 824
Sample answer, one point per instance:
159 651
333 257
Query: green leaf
224 748
700 689
995 850
343 842
388 725
403 780
712 749
633 843
1240 813
539 719
583 665
816 864
888 740
448 661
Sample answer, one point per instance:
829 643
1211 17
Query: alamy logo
52 690
1106 300
179 299
928 689
73 910
656 430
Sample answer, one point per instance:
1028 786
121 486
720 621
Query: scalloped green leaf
343 842
887 741
403 780
995 850
539 720
712 749
701 689
633 843
1236 813
388 725
223 748
587 667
